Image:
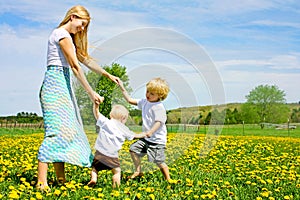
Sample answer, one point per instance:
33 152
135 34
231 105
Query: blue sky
248 43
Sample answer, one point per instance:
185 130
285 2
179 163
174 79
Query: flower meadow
201 167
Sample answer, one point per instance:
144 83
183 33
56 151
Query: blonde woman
64 139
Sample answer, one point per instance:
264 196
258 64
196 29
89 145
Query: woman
65 140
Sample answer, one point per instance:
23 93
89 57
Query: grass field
240 163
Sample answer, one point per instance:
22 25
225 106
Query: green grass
254 164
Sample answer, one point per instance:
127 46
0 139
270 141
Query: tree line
22 117
264 104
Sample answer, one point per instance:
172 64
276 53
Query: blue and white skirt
64 140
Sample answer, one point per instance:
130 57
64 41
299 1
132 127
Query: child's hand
99 100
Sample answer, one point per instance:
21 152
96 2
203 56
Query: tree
265 103
106 88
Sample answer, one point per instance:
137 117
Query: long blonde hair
80 38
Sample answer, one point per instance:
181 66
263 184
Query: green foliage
110 91
84 103
265 104
106 88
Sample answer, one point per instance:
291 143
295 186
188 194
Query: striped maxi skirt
64 139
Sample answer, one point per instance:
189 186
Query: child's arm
126 95
154 128
96 108
140 135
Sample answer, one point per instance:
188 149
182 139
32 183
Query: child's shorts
155 152
103 162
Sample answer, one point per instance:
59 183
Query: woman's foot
135 174
43 187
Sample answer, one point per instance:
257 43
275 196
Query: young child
112 135
154 118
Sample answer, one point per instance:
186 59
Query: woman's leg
42 175
60 172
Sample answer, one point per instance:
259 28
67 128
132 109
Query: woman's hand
115 79
96 98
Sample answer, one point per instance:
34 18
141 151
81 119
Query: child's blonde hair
119 112
159 86
80 38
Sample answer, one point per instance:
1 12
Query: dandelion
38 195
138 195
188 192
57 192
13 194
100 195
151 196
115 193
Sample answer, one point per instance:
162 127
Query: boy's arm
140 135
96 111
154 128
96 108
126 95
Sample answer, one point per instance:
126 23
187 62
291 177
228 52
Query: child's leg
94 177
60 172
165 170
42 175
137 164
116 177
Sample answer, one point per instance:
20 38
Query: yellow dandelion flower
265 194
22 179
13 195
100 195
115 193
138 195
57 192
148 189
258 198
38 195
152 197
286 197
188 192
248 182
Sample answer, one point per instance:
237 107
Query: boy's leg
42 175
116 177
137 164
165 170
60 171
94 177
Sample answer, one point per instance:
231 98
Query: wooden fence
21 125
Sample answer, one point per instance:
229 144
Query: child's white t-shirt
55 55
112 136
152 112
